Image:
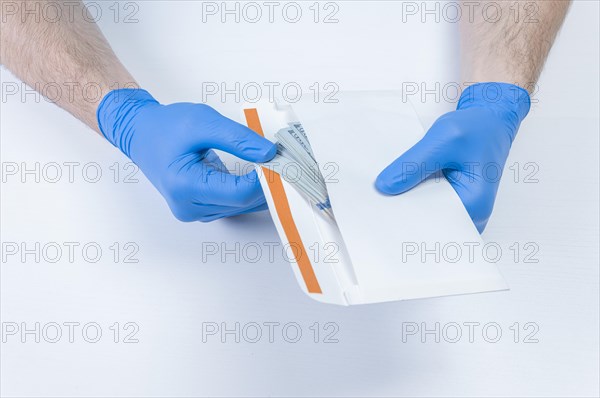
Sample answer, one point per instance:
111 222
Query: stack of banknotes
296 164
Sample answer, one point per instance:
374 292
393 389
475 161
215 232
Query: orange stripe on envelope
284 213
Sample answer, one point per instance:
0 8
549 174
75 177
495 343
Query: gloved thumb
242 142
410 169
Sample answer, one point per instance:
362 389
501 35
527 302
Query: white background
171 291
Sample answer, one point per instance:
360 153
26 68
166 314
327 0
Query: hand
172 144
469 145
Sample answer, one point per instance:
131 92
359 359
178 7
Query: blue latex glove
469 145
172 144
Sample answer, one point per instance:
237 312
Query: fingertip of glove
480 225
266 152
385 186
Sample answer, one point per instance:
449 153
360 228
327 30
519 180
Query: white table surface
172 291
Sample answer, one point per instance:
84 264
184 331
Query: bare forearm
510 40
70 54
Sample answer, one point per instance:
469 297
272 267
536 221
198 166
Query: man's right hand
172 145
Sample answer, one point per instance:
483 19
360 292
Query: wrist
116 112
504 97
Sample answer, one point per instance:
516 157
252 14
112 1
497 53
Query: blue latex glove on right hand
469 145
172 145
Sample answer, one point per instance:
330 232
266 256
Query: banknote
295 162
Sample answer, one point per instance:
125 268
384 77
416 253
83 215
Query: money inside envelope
296 164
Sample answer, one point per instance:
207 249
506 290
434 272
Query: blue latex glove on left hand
469 145
172 144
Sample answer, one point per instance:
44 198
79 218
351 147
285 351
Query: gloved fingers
239 191
203 213
240 141
260 207
232 212
476 194
193 211
410 169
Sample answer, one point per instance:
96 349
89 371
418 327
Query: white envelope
379 248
